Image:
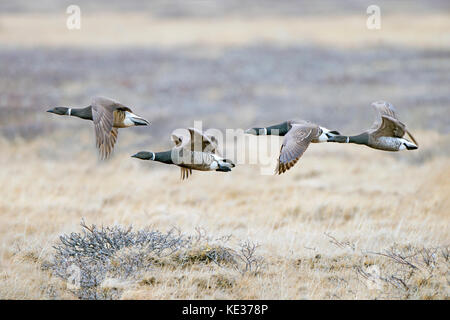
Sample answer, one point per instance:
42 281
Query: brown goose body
295 143
108 116
194 150
297 137
387 132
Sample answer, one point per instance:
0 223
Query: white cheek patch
69 112
127 121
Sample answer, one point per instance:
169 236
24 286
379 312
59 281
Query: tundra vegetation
347 222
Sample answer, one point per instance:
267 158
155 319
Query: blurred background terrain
231 64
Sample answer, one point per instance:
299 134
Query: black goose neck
279 129
83 113
165 157
362 138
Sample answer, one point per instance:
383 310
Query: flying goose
297 137
193 151
386 132
108 115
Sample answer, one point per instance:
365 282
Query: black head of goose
297 137
386 132
193 150
108 115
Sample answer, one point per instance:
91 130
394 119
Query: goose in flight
194 150
297 137
108 115
386 132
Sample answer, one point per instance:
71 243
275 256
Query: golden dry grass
370 199
318 225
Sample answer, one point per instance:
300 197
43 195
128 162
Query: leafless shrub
415 271
428 256
412 267
205 248
340 244
396 282
376 279
373 279
242 260
86 259
445 252
247 255
398 256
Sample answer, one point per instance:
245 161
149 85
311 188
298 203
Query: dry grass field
347 222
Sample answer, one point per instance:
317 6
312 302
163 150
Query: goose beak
411 146
330 134
144 155
229 162
140 121
50 110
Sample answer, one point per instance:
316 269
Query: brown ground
319 227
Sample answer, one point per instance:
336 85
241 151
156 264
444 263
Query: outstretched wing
105 133
211 144
387 123
199 139
384 108
295 142
195 140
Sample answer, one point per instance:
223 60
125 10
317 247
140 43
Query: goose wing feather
105 113
295 143
193 140
386 123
